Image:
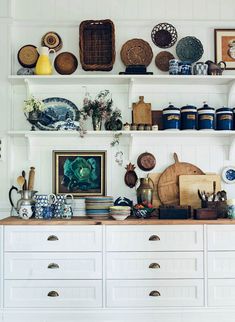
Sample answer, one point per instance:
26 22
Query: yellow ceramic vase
44 65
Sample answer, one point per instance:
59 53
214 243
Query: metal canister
188 117
171 118
224 119
206 117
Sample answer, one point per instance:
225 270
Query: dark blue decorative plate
57 111
228 174
189 49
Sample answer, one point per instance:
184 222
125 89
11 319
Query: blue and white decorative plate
228 174
57 111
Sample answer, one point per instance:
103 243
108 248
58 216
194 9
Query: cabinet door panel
221 237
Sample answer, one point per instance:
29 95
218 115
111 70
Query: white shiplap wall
132 18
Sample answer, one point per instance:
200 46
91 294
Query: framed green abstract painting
80 173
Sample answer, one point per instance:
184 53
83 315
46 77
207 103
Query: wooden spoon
25 181
21 180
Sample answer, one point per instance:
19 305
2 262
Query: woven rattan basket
97 45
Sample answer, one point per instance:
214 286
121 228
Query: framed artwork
225 47
80 173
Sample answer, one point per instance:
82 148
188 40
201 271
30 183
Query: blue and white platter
228 174
57 113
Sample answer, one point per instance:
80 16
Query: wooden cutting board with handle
142 112
155 178
168 184
189 186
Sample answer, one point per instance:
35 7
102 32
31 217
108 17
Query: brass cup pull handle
53 266
154 265
53 294
154 237
154 293
52 238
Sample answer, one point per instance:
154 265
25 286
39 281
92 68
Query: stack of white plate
98 207
79 208
120 212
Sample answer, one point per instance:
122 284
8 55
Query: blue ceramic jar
171 118
188 117
224 119
206 118
185 68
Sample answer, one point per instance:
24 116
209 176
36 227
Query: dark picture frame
225 47
80 173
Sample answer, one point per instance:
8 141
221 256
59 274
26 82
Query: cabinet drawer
53 266
221 237
53 238
154 293
154 238
154 265
59 294
221 292
221 264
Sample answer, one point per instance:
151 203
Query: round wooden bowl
146 161
66 63
28 56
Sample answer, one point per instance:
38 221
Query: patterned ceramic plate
57 111
228 174
189 49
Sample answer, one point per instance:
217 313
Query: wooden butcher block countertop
130 221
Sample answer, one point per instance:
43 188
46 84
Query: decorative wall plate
28 56
146 161
189 49
162 60
228 174
65 63
52 40
164 35
136 52
57 111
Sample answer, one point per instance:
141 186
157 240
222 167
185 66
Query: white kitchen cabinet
221 237
154 238
221 292
53 238
134 265
155 293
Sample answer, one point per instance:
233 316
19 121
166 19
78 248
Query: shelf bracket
28 90
130 150
130 92
231 92
28 147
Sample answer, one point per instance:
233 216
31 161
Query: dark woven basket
97 45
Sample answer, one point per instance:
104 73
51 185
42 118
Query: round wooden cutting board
168 184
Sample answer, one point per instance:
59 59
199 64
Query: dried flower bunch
33 104
100 107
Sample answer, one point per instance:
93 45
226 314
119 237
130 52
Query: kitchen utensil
65 63
136 52
162 60
25 205
97 45
31 178
215 69
168 185
44 64
190 184
164 35
21 181
189 49
25 181
28 56
52 40
146 161
142 112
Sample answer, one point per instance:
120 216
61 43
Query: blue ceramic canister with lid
171 118
206 117
224 119
188 117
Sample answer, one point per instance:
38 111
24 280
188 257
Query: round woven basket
162 60
136 52
66 63
164 35
28 56
52 40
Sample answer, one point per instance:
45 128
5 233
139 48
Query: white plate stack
79 209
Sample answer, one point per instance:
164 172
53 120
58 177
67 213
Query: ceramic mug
43 200
200 68
47 212
231 208
68 207
174 67
185 68
26 212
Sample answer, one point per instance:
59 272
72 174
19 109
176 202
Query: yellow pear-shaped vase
44 64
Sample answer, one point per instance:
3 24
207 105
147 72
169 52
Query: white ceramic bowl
119 217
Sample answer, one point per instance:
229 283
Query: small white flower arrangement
33 104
